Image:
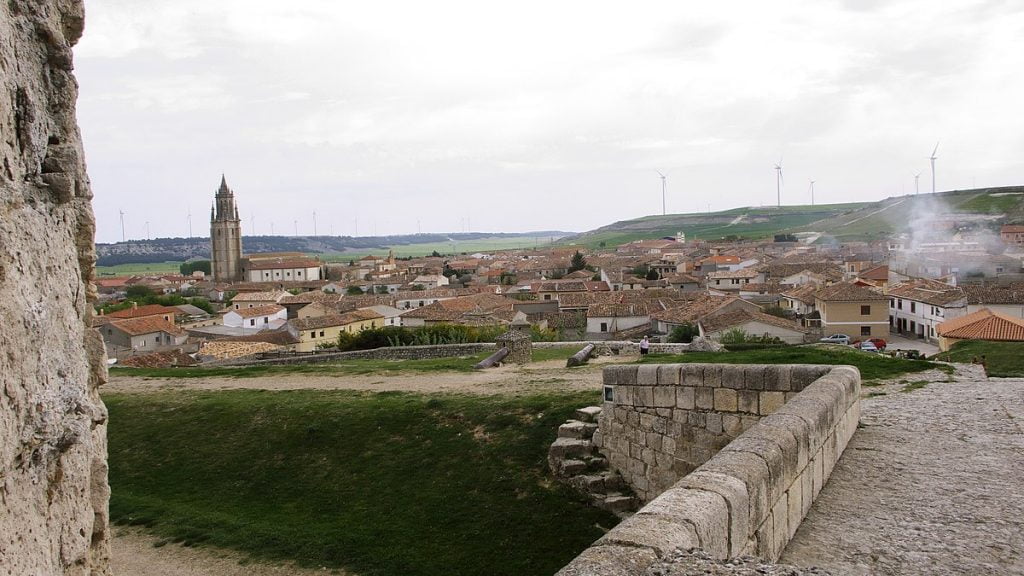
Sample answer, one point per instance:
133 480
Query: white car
868 346
836 339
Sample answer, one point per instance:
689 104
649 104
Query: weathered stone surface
610 560
690 562
53 472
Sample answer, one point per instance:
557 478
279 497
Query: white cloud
450 104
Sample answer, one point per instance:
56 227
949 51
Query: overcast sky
517 116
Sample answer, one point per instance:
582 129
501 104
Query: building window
604 326
266 319
865 330
865 310
321 333
899 304
547 296
892 302
913 306
252 322
312 334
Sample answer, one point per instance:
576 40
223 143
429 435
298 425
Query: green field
871 366
757 223
443 248
153 268
374 483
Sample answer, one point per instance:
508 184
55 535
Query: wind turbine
122 224
663 185
778 182
812 192
933 157
189 222
314 222
917 178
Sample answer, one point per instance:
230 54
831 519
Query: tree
641 270
578 262
652 274
684 333
778 311
187 268
353 290
381 289
138 291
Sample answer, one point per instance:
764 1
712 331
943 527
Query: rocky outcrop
53 470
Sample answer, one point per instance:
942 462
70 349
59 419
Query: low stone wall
749 497
666 420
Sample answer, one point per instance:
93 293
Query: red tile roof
983 325
145 325
147 310
255 311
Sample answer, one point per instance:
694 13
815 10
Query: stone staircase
575 460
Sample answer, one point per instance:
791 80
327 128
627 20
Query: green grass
457 247
988 204
871 366
141 269
378 484
542 354
915 385
1002 359
346 367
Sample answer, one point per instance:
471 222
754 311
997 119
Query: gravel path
929 484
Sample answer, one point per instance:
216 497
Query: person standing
645 346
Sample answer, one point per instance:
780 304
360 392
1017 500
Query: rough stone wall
53 471
664 421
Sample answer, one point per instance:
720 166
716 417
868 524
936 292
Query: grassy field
346 367
1002 359
871 366
140 269
759 222
378 484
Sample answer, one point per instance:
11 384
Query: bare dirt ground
507 380
134 553
929 484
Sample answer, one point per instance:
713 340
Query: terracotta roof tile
146 325
846 292
147 310
983 325
928 291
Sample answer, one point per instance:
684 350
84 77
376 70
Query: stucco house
917 307
324 330
755 324
984 324
141 334
267 317
853 310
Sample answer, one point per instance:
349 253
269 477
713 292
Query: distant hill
844 222
180 249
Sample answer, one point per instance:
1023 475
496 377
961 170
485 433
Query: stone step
572 467
616 502
577 429
570 448
588 414
596 464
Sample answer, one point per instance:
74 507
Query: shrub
683 333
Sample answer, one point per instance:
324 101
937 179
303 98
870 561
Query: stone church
225 236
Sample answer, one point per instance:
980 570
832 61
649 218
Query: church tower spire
225 236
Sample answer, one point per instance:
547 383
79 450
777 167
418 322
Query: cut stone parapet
729 457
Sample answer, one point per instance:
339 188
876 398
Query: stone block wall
750 497
664 421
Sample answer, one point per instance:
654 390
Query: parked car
836 339
867 346
878 342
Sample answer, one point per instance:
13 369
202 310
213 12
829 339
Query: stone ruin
53 452
517 340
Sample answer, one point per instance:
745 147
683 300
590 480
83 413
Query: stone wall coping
750 497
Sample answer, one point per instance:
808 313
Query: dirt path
133 554
509 379
929 484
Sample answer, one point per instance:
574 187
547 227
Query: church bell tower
225 236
